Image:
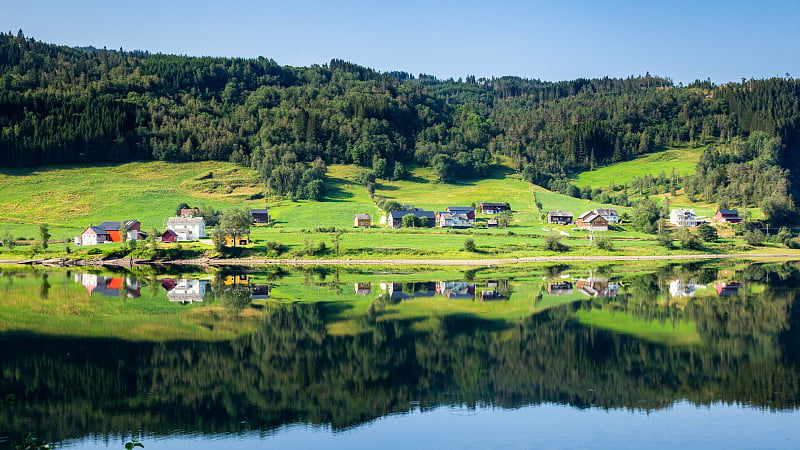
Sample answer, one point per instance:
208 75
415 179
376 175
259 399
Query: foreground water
616 356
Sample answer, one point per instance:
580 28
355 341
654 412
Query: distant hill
70 105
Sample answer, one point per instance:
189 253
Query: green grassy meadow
70 198
680 159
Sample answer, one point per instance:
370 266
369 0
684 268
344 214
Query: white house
683 217
610 214
187 228
453 220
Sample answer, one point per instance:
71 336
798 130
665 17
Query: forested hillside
67 105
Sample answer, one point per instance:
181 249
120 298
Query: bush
273 248
604 242
754 237
553 244
469 245
707 233
689 240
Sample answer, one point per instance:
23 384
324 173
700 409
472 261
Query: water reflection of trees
291 370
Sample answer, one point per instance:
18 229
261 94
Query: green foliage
469 245
604 242
365 177
44 236
645 215
754 237
689 240
133 444
707 233
554 244
8 239
29 442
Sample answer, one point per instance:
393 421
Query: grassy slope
682 159
69 198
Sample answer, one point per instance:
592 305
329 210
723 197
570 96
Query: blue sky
549 40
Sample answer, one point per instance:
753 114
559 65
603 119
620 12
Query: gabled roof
185 221
460 208
114 225
493 205
363 217
259 211
729 212
559 213
606 211
585 214
419 213
95 230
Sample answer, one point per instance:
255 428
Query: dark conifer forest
63 105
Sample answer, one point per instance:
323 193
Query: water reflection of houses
597 287
680 288
728 288
560 288
492 296
456 290
259 292
362 288
184 290
109 286
397 290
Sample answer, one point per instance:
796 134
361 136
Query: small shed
560 217
362 221
169 236
260 215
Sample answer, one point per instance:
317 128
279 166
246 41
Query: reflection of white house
188 291
187 228
456 289
679 288
683 218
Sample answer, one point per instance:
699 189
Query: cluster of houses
595 220
451 217
188 226
599 219
451 290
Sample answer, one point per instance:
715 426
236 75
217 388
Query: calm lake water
690 355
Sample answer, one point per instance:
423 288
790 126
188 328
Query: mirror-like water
548 356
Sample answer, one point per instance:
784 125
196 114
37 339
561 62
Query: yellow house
240 240
235 279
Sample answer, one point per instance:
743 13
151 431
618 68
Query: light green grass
681 159
70 198
670 332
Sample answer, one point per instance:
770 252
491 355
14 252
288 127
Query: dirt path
408 262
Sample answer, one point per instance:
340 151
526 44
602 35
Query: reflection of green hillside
53 303
666 332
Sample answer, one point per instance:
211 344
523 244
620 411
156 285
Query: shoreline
129 262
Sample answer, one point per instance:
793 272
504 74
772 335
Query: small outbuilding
728 215
260 215
362 221
560 217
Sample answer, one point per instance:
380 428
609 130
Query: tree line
67 105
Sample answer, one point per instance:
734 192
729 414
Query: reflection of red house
168 284
731 288
169 236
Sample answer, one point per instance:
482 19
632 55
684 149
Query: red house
169 236
728 215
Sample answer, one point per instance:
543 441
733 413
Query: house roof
460 208
259 211
492 205
682 211
419 213
606 211
585 214
729 212
559 213
363 217
95 230
185 221
114 225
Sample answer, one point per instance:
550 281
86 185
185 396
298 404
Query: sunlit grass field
680 159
